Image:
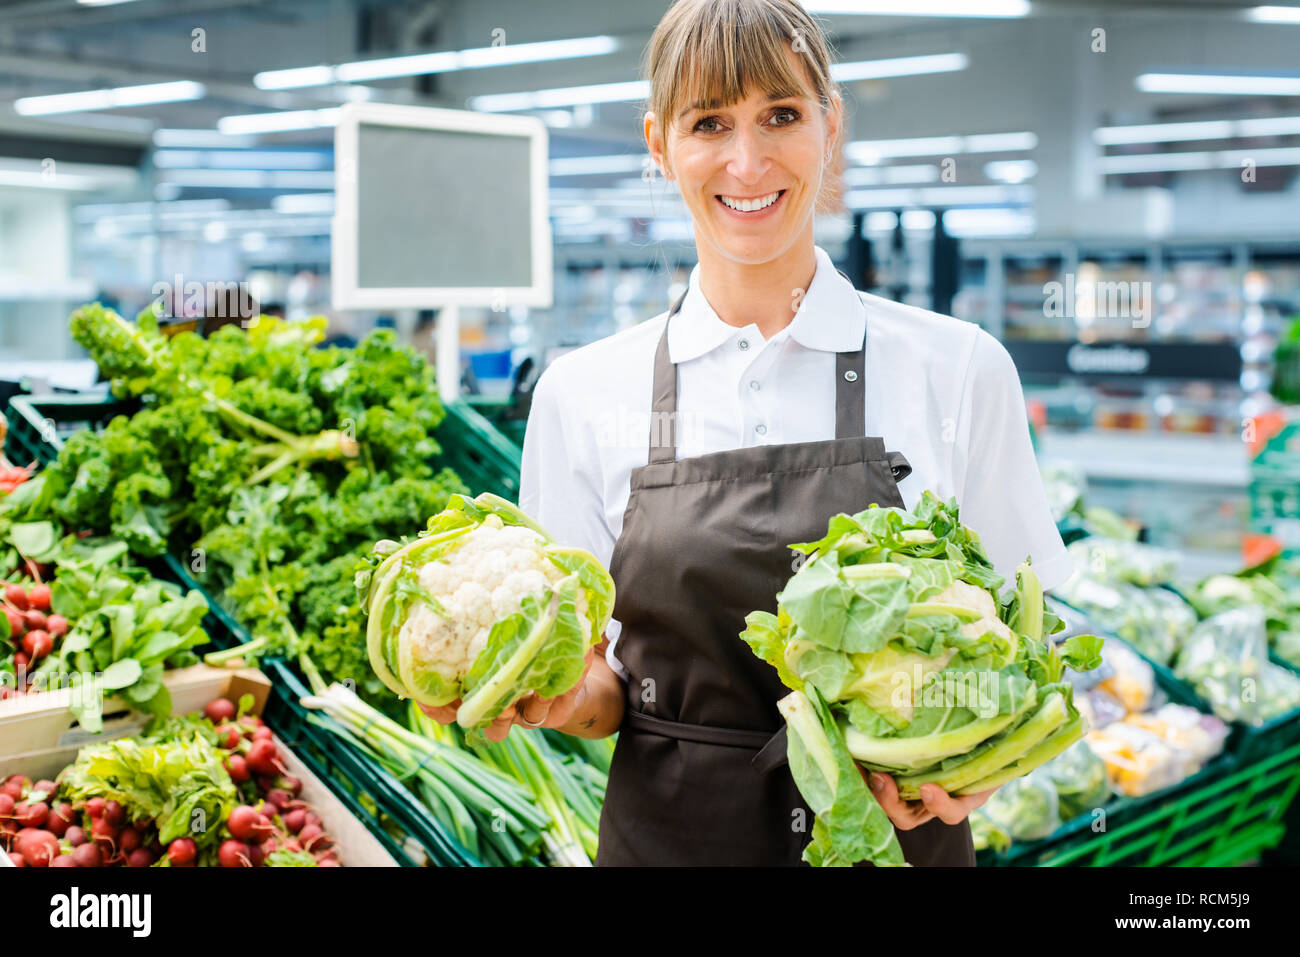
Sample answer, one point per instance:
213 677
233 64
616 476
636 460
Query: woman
689 451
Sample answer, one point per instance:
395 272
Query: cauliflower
485 608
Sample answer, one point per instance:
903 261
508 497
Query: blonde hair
714 52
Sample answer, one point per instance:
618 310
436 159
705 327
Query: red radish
16 595
56 625
103 832
182 852
228 736
329 862
8 829
265 782
114 813
37 847
257 854
233 853
140 857
264 758
7 804
250 722
289 783
17 859
128 840
266 809
37 644
87 855
75 835
47 786
220 711
38 597
237 768
32 815
310 836
63 860
263 733
330 855
21 660
95 807
294 820
313 818
243 821
34 619
15 618
279 798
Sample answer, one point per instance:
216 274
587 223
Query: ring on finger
523 718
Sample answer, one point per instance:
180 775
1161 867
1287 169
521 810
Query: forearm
598 711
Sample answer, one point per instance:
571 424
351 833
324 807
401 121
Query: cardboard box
193 689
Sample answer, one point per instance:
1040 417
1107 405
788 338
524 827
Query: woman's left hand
935 803
535 712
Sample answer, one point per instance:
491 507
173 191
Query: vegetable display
901 658
482 608
1226 661
1273 586
269 466
202 790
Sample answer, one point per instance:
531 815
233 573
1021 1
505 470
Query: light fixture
939 196
1011 171
298 203
561 96
240 159
891 175
190 139
279 122
1201 160
422 64
921 8
173 92
588 165
870 152
247 179
71 177
1215 84
898 66
1198 130
101 3
1274 14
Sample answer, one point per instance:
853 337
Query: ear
834 125
654 141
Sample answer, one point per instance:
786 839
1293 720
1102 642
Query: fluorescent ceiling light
89 212
173 92
1202 160
921 8
1214 84
891 175
100 121
942 196
586 165
70 177
198 138
241 159
1011 171
247 179
421 64
101 3
279 122
898 66
1202 130
296 203
563 96
870 152
1274 14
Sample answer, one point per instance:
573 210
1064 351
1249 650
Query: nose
746 155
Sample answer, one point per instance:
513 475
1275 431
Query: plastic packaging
1226 660
1116 560
1155 621
1186 729
1137 761
1026 808
986 833
1082 783
1134 682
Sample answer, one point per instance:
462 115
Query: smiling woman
780 386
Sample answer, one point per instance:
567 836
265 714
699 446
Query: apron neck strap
850 399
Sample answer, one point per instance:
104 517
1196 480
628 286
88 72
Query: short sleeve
1002 495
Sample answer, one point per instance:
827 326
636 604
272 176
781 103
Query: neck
766 294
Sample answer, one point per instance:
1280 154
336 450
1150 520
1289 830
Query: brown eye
707 125
784 117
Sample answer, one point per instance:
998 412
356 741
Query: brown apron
704 542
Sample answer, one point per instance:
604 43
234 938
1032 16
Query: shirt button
753 384
743 344
761 429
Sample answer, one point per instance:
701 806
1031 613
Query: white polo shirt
939 390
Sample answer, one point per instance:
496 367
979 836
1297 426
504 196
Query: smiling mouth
752 205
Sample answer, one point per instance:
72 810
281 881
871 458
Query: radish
75 835
243 822
220 711
182 852
263 734
56 625
46 786
63 860
129 840
7 804
294 820
140 857
289 783
250 722
264 757
257 855
38 597
37 847
233 853
15 618
34 619
16 595
103 833
279 798
95 807
21 660
237 768
87 855
115 813
228 736
17 859
32 815
310 836
329 862
37 644
60 819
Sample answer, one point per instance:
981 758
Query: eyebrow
701 105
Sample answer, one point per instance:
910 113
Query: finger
905 814
949 809
500 726
532 710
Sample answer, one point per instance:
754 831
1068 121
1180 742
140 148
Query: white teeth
749 205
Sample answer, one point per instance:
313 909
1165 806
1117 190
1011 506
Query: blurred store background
1110 188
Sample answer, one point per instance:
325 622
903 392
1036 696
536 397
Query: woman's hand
529 711
935 802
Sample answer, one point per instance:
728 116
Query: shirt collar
830 318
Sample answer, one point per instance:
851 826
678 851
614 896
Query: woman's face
749 172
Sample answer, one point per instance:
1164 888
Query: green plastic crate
475 449
500 413
38 424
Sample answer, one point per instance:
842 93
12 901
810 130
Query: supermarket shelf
1152 457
